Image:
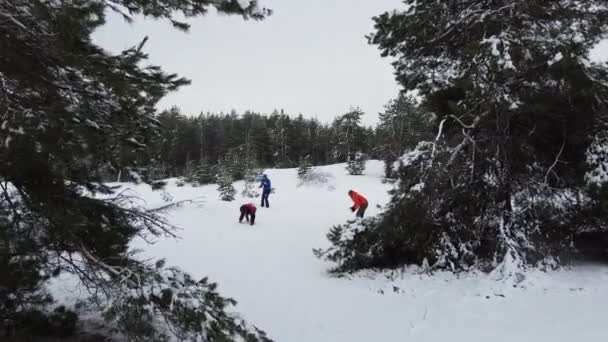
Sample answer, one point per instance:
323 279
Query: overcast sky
309 57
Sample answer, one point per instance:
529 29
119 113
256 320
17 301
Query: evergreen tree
297 135
305 168
356 166
516 105
205 173
69 108
224 182
348 134
201 174
236 163
279 137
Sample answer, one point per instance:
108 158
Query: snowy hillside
280 286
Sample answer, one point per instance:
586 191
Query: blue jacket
265 183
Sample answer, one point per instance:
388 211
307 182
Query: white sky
309 57
600 53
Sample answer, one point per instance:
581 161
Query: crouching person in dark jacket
248 212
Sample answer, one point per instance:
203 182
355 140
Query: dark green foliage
389 166
235 164
61 323
204 173
402 125
355 246
350 135
24 264
158 185
251 140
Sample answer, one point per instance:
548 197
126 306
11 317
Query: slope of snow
281 287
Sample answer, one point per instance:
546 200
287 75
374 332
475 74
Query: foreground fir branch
67 109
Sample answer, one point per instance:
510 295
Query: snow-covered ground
281 287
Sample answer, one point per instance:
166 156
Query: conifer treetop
438 42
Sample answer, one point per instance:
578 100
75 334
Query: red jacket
250 207
358 199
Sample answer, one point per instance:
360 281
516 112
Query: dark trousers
265 195
361 210
249 216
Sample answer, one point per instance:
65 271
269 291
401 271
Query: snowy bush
166 196
356 166
158 185
227 191
163 302
250 189
305 168
224 182
509 139
203 173
597 161
389 168
353 245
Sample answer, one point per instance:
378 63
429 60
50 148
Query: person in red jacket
248 212
360 203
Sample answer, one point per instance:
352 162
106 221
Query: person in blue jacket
265 191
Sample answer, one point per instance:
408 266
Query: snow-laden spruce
356 166
68 110
597 158
515 106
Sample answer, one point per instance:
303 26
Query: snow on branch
555 162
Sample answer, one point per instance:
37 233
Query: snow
281 287
418 187
19 130
244 3
493 41
504 58
558 57
599 53
92 124
515 105
135 142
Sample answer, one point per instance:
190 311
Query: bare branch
555 162
457 150
471 126
437 139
